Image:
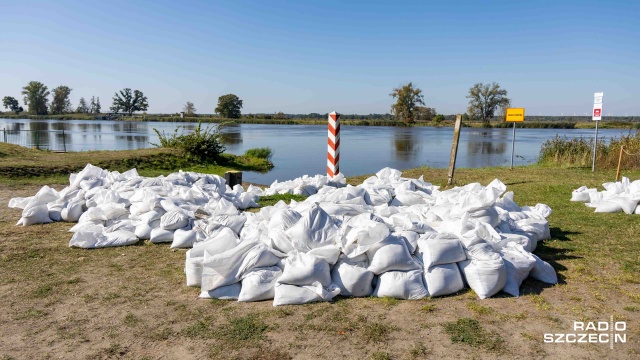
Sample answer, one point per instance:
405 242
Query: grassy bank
131 302
22 165
563 151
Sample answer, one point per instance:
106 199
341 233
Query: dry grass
132 303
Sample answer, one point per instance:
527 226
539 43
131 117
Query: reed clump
579 152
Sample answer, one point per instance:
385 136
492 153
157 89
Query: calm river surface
302 149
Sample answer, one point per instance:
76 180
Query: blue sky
320 56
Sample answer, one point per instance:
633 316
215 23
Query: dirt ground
132 303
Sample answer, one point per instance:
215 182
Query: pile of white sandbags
114 209
616 197
388 237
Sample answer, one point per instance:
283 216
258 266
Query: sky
323 56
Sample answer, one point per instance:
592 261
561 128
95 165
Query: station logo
593 332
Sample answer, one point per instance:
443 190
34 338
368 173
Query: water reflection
232 134
39 135
89 127
133 141
129 127
66 126
405 144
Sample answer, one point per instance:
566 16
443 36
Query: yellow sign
515 114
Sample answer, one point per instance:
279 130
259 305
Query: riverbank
21 165
131 302
532 122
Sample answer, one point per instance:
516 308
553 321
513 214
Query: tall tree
92 105
128 102
189 109
61 103
82 107
229 106
97 108
36 97
12 104
485 99
424 113
408 97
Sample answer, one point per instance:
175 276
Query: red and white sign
597 106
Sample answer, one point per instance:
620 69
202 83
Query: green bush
203 145
260 153
439 118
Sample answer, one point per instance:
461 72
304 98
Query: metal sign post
597 116
514 115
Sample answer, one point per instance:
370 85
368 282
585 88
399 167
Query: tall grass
579 152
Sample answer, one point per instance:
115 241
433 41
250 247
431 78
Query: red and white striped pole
333 151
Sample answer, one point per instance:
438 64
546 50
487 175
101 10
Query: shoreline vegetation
22 165
538 122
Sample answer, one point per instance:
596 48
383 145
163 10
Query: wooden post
454 149
233 178
619 163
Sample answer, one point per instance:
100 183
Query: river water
302 149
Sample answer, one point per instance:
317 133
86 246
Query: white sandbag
390 254
518 263
160 235
407 198
379 195
228 292
55 210
183 238
32 215
410 238
628 205
482 251
581 194
152 215
73 210
222 241
91 240
314 229
286 294
329 253
487 216
234 222
353 280
440 249
193 270
305 269
174 220
361 234
486 278
143 231
526 242
543 271
259 256
405 285
608 207
444 279
283 218
224 268
259 284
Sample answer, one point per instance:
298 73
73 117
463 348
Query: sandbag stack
616 197
388 237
